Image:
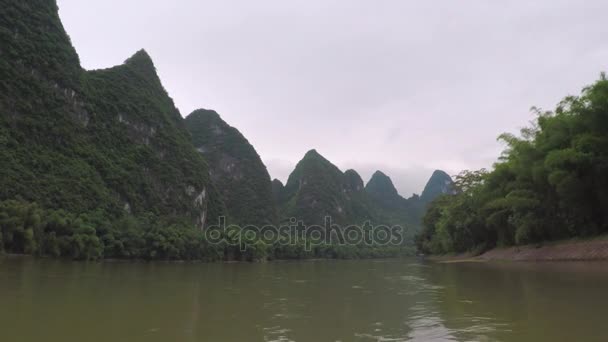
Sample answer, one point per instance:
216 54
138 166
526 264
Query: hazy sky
401 86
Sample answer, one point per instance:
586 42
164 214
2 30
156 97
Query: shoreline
570 250
193 261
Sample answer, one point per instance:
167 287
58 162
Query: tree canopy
549 183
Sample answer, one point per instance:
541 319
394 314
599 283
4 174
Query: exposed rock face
85 140
235 168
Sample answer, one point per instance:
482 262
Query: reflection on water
393 300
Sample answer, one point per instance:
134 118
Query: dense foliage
439 184
405 211
550 183
235 167
380 187
317 188
25 228
109 140
100 164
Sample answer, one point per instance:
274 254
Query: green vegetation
380 187
100 164
550 183
26 228
317 188
439 184
106 140
399 210
104 153
277 192
236 169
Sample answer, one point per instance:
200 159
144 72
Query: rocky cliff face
235 168
86 140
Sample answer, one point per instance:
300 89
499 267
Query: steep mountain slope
109 140
235 168
400 210
317 188
278 191
380 187
393 208
100 163
439 184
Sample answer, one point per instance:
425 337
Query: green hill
105 143
278 192
439 184
235 168
101 163
380 187
406 211
548 184
317 188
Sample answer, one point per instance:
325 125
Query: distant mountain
405 211
109 140
352 181
278 190
235 168
380 187
439 184
393 208
101 163
317 188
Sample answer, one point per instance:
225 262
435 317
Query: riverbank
570 250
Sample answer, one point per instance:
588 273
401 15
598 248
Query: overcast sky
401 86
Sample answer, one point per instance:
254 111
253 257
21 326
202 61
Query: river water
388 300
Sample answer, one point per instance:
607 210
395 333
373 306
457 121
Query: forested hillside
404 211
101 164
88 147
235 168
317 188
550 183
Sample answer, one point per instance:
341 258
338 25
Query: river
363 300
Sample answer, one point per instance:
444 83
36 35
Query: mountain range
108 152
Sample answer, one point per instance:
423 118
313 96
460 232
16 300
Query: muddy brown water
364 300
